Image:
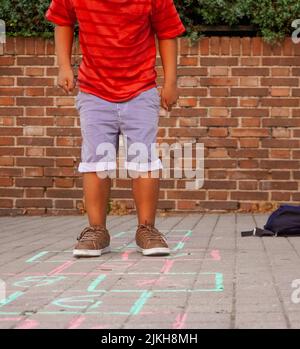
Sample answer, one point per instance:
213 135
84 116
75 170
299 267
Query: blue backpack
285 221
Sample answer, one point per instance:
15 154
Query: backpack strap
258 232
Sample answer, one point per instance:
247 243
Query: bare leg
146 194
96 196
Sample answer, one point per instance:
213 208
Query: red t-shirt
117 39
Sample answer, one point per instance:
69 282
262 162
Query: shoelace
151 233
90 234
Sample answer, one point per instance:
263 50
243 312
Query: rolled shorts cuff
96 166
143 167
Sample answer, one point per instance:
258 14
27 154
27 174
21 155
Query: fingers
167 102
164 104
67 85
167 105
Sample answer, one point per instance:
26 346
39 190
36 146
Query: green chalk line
138 305
37 256
10 298
93 285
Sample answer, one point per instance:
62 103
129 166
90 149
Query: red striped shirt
117 39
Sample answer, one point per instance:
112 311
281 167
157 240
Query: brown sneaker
93 241
150 241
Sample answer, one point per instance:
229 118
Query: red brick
33 203
11 131
59 171
30 101
218 61
218 102
278 185
249 195
34 172
12 111
219 205
34 193
235 43
280 143
250 71
248 185
64 204
218 122
7 60
11 192
11 91
7 121
204 46
6 81
256 46
280 154
191 71
250 132
188 61
218 81
280 61
280 102
250 122
34 182
34 91
249 91
186 205
35 61
280 164
31 161
6 203
215 45
34 81
217 195
64 182
218 132
35 121
7 141
6 182
8 71
279 81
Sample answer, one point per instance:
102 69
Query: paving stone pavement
213 278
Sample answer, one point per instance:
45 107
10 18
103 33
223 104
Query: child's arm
63 44
168 53
167 26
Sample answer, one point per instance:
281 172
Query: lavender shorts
102 122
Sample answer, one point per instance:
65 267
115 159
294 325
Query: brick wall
239 96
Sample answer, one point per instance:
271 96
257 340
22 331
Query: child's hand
169 95
66 78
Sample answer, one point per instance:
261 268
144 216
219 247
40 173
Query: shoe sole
157 251
90 253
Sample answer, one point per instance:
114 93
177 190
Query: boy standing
118 94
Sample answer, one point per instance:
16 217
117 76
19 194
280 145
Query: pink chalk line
10 319
62 267
146 282
125 255
167 266
165 269
75 323
215 254
27 324
179 321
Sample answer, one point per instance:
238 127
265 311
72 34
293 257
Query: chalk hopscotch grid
143 294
